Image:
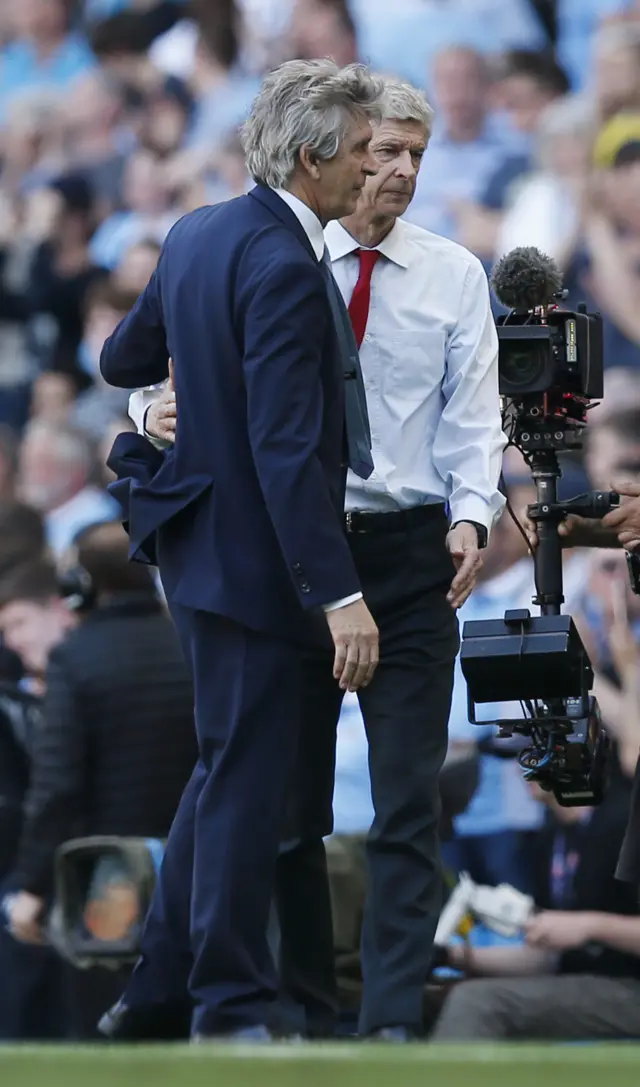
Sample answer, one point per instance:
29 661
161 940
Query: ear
309 162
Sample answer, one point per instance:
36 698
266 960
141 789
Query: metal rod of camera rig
548 554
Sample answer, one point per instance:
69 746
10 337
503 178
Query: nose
405 167
370 167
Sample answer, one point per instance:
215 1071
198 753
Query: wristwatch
483 535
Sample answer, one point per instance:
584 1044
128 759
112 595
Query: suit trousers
405 577
210 910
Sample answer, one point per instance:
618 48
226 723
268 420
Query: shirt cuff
159 443
473 508
342 603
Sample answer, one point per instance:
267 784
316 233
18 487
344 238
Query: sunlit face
32 629
136 268
524 100
610 456
403 144
460 88
340 180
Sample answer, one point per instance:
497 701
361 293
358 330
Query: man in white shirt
419 306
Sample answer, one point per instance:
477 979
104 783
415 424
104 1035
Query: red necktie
359 304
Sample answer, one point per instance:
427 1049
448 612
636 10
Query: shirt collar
395 247
307 218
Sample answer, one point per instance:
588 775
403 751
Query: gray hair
404 102
305 102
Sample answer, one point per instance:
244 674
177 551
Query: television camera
550 374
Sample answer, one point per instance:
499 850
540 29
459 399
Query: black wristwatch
483 535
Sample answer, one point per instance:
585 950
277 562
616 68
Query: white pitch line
364 1053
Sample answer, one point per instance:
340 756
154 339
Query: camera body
552 351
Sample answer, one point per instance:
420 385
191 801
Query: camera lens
521 365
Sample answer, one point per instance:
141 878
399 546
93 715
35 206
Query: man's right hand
574 532
356 641
160 418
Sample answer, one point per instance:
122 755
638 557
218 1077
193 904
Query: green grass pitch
342 1065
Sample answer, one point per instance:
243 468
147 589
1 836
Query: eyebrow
393 141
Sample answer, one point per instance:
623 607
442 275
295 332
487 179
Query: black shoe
147 1022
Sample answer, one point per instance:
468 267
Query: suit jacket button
305 587
297 567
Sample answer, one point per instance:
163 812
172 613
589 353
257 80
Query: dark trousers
404 577
33 1004
208 920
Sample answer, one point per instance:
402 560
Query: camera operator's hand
574 532
624 520
462 544
560 930
355 637
25 913
160 420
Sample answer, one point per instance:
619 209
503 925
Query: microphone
525 278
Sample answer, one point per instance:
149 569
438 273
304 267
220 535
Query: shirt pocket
416 363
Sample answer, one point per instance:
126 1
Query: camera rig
550 373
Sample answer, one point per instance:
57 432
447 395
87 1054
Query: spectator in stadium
99 137
465 149
62 272
322 28
121 45
32 997
577 976
222 91
524 85
612 235
100 405
137 265
33 616
614 86
22 534
57 464
44 53
404 38
150 212
546 209
116 744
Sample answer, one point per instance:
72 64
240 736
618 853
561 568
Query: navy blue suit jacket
244 515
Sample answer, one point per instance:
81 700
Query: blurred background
116 118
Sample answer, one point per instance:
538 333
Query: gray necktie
358 431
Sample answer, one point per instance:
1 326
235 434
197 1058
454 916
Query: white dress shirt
430 365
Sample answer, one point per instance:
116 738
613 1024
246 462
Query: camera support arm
548 513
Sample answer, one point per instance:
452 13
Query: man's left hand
560 930
462 544
25 913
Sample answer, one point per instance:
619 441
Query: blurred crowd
116 118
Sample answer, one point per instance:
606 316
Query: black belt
361 521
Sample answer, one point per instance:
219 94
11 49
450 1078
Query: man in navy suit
244 516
